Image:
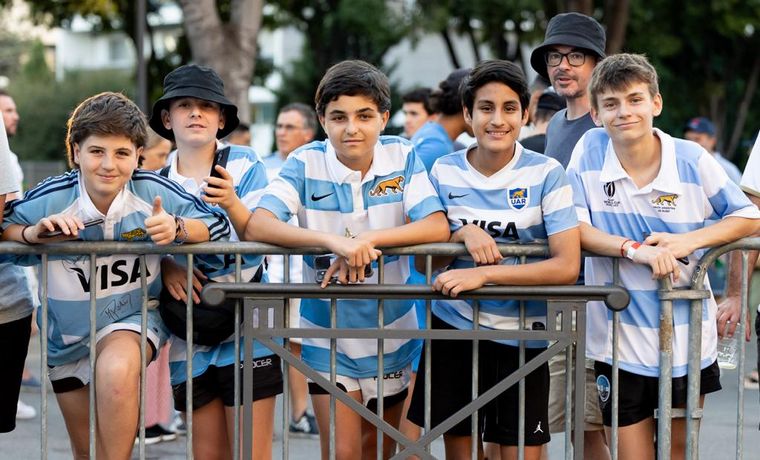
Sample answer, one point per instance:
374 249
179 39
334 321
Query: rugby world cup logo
518 197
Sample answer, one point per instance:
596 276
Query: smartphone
220 158
58 232
322 263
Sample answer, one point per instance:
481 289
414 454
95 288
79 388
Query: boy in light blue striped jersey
494 192
646 196
354 193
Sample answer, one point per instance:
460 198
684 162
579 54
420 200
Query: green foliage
704 52
336 30
36 69
44 108
11 49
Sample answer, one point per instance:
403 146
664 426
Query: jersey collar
340 173
667 179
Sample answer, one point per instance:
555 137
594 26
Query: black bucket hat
201 83
570 29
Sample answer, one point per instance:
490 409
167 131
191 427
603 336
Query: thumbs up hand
160 225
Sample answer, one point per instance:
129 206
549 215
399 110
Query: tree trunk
616 16
450 48
229 49
581 6
741 116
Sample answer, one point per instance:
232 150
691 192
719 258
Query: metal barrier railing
567 300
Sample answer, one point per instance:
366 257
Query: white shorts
395 385
61 375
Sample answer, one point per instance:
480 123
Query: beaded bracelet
181 234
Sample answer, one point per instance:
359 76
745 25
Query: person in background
702 131
156 153
15 315
417 110
240 136
296 126
22 280
437 138
537 88
548 104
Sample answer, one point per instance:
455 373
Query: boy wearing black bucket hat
195 114
572 46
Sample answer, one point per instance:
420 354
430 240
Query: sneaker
178 425
305 426
31 383
25 411
155 434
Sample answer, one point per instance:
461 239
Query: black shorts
639 394
451 384
219 382
14 341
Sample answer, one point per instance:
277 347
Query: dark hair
353 78
539 83
420 95
105 114
4 92
495 71
620 71
307 113
446 98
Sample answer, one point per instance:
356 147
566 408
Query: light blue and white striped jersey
690 189
249 179
119 292
327 196
528 200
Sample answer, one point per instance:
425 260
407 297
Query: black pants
14 343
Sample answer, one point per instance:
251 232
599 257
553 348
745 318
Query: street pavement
717 438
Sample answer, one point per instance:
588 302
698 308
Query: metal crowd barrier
564 302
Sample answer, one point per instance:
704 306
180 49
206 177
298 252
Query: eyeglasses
574 58
287 128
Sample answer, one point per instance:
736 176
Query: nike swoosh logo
452 197
317 198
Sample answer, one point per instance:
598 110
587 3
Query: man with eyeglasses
572 46
296 126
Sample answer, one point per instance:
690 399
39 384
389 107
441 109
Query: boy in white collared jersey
353 193
495 192
631 180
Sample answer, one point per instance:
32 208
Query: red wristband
622 247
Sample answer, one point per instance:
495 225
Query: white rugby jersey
119 293
249 179
528 200
690 189
327 196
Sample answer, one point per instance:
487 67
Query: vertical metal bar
615 366
93 352
189 355
665 419
693 412
333 376
428 351
44 358
521 385
236 368
580 378
474 439
249 316
743 325
143 352
285 366
380 356
567 317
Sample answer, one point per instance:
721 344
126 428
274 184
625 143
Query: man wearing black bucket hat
573 44
195 114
